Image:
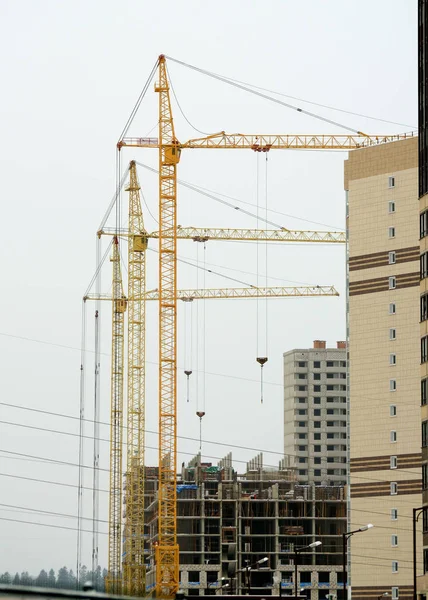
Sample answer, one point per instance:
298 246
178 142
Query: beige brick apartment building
384 354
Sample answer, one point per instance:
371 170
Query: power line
151 362
154 448
149 431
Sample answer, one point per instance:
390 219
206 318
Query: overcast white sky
71 73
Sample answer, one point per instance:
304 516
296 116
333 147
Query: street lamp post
416 514
247 571
297 551
345 537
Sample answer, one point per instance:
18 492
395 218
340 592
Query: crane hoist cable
181 110
210 194
188 304
265 96
81 438
140 99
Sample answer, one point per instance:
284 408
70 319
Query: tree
42 579
63 579
84 575
51 579
26 578
102 587
16 579
6 578
72 581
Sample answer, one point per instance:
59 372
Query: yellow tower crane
169 148
133 560
132 578
113 580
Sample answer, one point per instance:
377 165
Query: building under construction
238 533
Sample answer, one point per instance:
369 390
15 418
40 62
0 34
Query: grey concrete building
315 413
227 521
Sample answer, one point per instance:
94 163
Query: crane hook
262 360
188 373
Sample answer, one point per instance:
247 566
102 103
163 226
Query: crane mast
133 562
167 552
113 579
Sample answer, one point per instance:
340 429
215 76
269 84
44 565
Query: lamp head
365 527
315 544
262 560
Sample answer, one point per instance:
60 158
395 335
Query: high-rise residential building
315 413
384 366
422 557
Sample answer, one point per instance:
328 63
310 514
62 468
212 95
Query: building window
317 460
301 364
392 308
302 436
394 540
424 434
302 411
317 412
392 410
424 476
392 333
393 488
302 459
391 232
425 560
424 265
301 388
424 307
393 436
394 593
317 436
317 388
317 472
394 566
303 472
317 448
391 182
392 359
301 376
317 424
423 224
425 520
394 514
424 349
392 283
391 258
317 400
317 364
392 385
424 392
391 206
393 462
317 376
302 448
